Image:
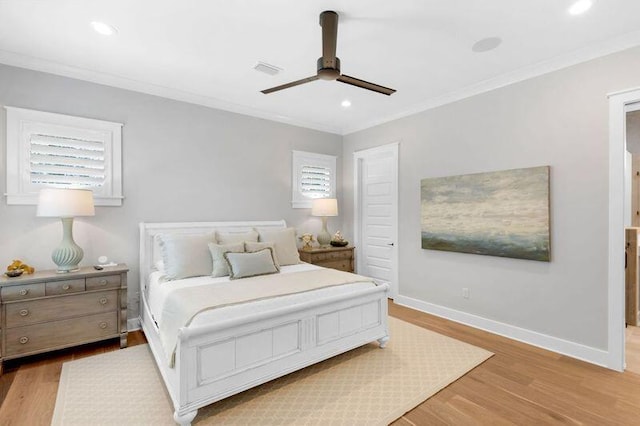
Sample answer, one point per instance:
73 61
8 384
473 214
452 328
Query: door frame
358 157
618 103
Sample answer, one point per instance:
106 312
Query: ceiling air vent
267 68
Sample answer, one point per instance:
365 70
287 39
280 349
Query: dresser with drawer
46 310
340 258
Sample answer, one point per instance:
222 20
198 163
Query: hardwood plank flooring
632 349
519 385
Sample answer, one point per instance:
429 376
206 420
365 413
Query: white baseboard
133 324
564 347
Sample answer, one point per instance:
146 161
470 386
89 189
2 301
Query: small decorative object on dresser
340 258
338 240
47 311
306 239
18 267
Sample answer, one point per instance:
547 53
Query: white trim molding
134 324
604 48
544 341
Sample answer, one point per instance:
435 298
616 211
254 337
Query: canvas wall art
504 213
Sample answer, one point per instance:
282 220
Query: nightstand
45 311
340 258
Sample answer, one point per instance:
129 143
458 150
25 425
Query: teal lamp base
68 255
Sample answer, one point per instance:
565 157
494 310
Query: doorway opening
632 233
619 215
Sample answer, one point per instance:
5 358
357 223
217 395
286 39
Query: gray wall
181 162
559 119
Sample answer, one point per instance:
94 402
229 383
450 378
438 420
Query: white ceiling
204 51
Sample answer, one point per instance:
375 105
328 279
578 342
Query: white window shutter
313 176
68 162
54 150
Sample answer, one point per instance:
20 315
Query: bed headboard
150 250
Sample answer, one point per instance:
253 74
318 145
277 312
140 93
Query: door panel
377 208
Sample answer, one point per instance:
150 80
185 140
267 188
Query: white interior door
376 214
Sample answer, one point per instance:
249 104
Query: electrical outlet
465 292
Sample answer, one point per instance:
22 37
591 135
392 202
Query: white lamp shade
324 207
62 202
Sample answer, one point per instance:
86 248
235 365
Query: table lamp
66 204
324 207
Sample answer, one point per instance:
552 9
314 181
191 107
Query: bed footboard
219 361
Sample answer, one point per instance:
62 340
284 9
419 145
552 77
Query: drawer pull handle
103 301
24 292
66 287
23 340
24 312
103 282
103 325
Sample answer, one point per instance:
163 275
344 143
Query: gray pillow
186 256
250 247
237 237
245 265
284 240
220 268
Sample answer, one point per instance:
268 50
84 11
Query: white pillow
245 265
159 265
284 240
237 237
220 268
186 256
251 247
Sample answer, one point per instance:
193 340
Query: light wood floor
519 385
632 349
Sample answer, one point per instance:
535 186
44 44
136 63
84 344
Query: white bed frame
219 360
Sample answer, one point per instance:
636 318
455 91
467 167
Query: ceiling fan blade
329 24
366 85
292 84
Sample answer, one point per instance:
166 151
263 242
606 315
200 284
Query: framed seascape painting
503 213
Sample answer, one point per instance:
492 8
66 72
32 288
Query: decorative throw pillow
237 237
284 240
251 247
220 268
245 265
186 256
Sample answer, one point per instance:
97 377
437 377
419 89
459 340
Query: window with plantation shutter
60 161
54 150
314 176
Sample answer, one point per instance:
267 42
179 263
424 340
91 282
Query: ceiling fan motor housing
328 73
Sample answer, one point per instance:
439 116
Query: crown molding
595 51
604 48
51 67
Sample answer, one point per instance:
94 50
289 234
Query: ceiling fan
329 65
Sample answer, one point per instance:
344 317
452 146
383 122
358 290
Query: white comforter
159 290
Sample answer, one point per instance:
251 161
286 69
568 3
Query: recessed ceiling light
580 7
486 44
346 103
104 29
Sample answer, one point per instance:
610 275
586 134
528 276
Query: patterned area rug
366 386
